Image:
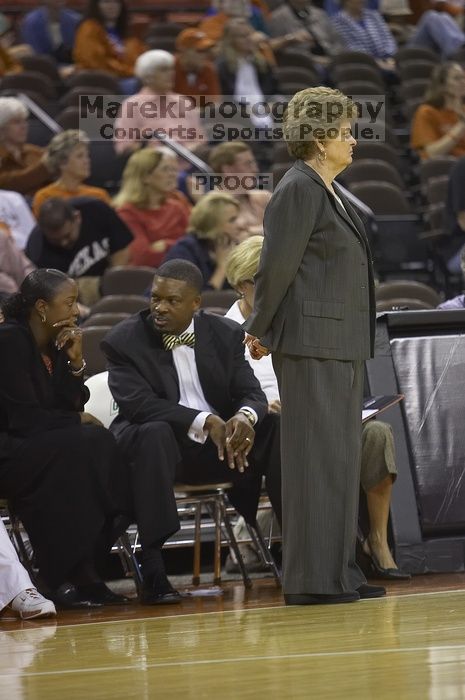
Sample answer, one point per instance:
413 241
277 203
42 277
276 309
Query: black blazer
266 79
144 382
31 400
314 289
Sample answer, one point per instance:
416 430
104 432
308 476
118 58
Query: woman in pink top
148 202
156 108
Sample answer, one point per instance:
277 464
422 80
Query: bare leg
378 502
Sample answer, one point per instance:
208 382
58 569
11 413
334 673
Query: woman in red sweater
148 202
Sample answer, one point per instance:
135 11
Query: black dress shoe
367 591
100 593
67 597
152 597
320 598
157 590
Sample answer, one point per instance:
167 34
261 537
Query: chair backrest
436 189
92 336
353 57
121 303
106 165
377 151
165 43
408 289
127 280
105 319
411 89
361 87
280 153
42 64
416 53
279 170
73 96
294 57
295 74
357 71
372 170
97 78
165 29
30 80
219 298
68 118
415 70
404 303
435 167
101 403
383 198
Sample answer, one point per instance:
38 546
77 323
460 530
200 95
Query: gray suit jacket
314 289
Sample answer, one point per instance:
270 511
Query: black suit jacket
314 289
31 400
144 382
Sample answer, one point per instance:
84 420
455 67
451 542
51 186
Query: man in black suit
191 409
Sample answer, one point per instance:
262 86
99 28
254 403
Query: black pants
68 488
157 458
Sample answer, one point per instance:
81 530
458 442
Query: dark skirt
68 487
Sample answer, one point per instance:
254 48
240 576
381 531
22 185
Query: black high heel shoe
377 571
98 593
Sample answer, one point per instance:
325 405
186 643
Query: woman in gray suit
314 311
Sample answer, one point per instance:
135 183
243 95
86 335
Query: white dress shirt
190 390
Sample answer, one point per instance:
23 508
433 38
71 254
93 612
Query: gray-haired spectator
14 266
22 165
68 159
156 107
16 216
457 302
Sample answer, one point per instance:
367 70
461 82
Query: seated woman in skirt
60 468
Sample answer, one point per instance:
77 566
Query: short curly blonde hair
315 114
61 146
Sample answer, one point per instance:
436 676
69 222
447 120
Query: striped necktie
173 341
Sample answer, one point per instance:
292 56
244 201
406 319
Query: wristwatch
249 415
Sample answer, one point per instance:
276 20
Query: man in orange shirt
195 74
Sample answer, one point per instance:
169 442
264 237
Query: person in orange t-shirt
195 74
150 206
438 126
68 157
103 42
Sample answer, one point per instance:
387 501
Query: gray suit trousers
320 461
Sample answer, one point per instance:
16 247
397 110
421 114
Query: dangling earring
322 156
43 318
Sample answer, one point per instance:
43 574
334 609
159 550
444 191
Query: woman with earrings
314 310
60 470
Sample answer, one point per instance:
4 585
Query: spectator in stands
213 232
59 468
195 74
438 126
237 159
103 42
16 216
50 30
197 416
152 108
451 246
365 30
147 202
378 456
293 16
243 69
214 24
22 165
16 588
81 237
68 158
8 61
439 32
14 266
458 302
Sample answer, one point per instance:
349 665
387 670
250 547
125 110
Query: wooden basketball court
246 644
